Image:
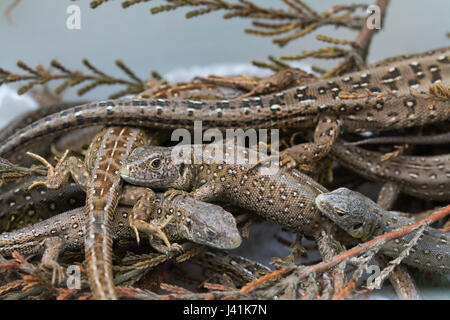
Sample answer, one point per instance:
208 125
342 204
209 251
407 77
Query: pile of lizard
130 157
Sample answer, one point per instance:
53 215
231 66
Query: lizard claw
287 161
57 270
37 183
50 169
172 193
151 230
175 248
170 250
135 229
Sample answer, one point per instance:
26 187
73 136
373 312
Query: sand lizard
99 175
238 268
27 118
425 177
390 96
182 218
285 197
21 207
363 219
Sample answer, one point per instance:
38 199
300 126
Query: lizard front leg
143 201
207 192
59 175
388 195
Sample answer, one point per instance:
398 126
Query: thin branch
71 78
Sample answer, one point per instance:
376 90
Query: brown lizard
31 116
27 118
432 139
100 282
285 197
425 177
363 219
20 207
182 218
238 268
390 96
99 175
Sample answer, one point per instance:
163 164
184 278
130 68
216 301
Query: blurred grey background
180 49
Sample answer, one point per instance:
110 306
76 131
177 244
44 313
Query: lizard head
153 167
203 223
350 210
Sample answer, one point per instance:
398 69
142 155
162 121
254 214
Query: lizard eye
210 233
357 226
340 212
156 163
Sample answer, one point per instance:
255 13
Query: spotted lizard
181 218
363 219
425 177
391 95
99 175
21 207
27 118
238 268
441 138
285 197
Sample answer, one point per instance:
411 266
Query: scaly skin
102 192
182 218
100 177
286 198
31 116
425 177
432 139
239 268
363 219
282 196
26 119
329 105
20 207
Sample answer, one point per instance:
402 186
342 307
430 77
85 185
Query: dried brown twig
40 76
355 56
296 20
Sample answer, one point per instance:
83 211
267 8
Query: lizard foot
155 227
287 161
172 193
57 270
50 170
283 159
175 248
151 230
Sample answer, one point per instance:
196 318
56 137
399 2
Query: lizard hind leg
276 158
326 133
172 193
53 247
59 175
